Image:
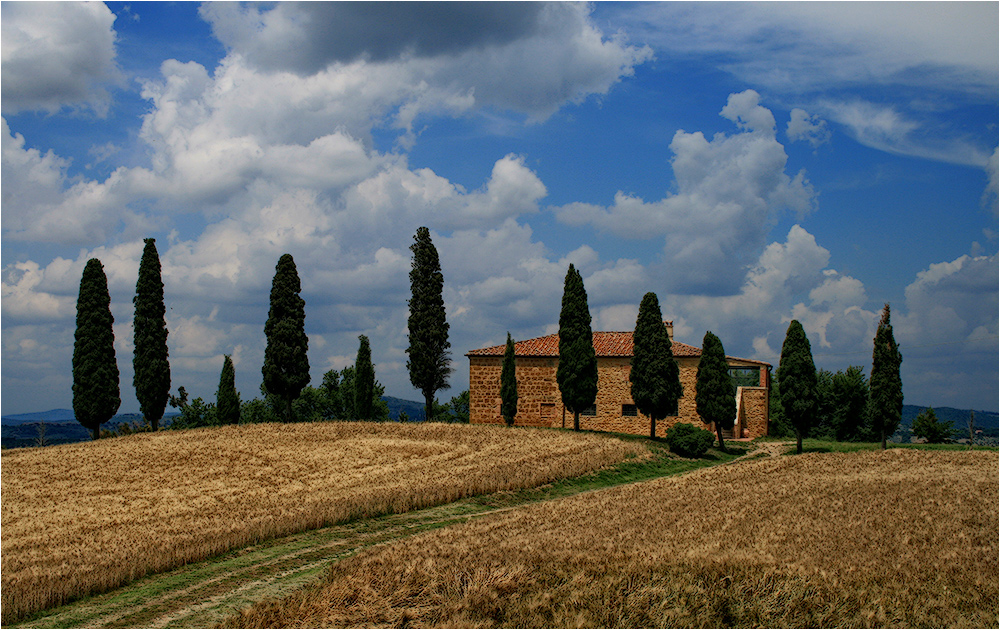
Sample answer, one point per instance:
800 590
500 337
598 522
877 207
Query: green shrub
688 440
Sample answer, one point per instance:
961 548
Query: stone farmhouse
540 404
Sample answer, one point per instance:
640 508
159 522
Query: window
630 410
745 376
673 410
589 411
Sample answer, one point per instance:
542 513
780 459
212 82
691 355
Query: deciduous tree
655 376
885 384
715 393
927 426
286 364
96 393
152 369
227 399
429 361
577 371
508 384
797 381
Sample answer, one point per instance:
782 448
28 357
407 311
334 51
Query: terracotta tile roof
606 344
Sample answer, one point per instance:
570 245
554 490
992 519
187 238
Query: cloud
811 129
56 55
933 60
886 129
801 47
730 189
530 58
992 176
306 37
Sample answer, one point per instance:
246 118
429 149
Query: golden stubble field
84 518
870 539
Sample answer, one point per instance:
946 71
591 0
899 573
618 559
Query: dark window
589 411
745 376
630 410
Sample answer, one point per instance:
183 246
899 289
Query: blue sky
749 163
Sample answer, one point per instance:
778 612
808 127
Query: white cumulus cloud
57 54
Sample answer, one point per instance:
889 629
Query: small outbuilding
540 404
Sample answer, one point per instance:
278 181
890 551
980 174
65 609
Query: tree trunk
798 441
96 432
429 407
722 445
154 424
883 439
652 427
288 410
576 420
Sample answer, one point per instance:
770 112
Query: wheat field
84 518
870 539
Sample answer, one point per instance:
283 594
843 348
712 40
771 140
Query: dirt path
201 594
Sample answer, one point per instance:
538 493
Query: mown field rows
895 538
84 518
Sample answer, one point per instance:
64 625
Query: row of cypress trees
96 393
655 375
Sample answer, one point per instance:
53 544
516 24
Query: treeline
352 393
847 406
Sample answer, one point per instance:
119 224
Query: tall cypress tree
508 384
286 364
152 369
577 371
885 384
96 395
227 399
797 381
715 393
429 361
655 376
364 380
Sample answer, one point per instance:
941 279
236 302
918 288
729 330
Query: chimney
670 330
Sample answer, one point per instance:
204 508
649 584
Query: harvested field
84 518
895 538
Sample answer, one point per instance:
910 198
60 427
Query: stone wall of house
536 387
754 412
540 404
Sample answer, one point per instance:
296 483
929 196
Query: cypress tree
715 394
152 369
429 361
797 381
577 371
364 380
286 364
96 395
227 399
885 384
508 384
655 377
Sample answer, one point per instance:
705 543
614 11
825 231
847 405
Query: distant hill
988 421
54 415
61 426
414 410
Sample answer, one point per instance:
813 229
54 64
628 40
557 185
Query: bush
688 440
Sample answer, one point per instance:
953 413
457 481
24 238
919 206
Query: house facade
540 404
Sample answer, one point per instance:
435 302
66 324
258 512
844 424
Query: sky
749 163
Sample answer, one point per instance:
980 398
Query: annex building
540 404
